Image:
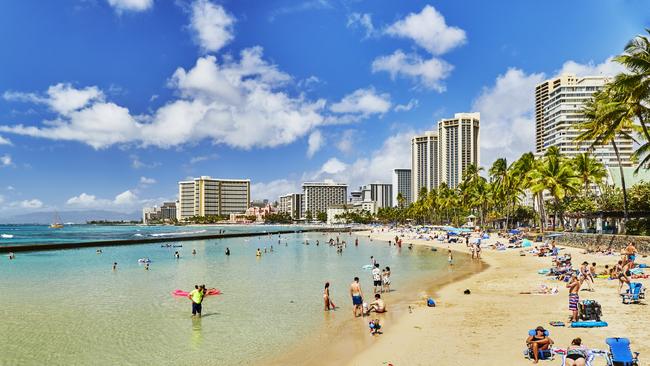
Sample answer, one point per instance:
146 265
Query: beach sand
489 326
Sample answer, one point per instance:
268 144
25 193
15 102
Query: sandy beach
489 326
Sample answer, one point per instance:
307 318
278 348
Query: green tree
589 170
321 216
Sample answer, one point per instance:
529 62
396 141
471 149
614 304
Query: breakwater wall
112 243
597 241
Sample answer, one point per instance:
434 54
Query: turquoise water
69 308
31 234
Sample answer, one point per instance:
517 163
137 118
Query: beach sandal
556 323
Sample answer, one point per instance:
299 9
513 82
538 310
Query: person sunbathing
576 354
538 342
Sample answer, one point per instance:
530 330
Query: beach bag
431 303
590 310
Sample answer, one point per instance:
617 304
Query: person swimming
227 251
258 253
114 266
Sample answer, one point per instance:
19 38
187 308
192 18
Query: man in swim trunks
574 298
196 296
630 250
357 297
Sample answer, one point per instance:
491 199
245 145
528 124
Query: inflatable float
144 260
367 266
590 324
210 292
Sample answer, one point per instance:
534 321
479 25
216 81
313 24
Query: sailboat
56 224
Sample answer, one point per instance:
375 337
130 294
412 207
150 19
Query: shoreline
337 345
492 323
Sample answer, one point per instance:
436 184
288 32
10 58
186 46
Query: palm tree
557 177
401 200
589 170
605 120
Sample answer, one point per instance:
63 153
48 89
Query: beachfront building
459 146
334 212
206 196
168 211
291 204
356 196
380 193
402 184
424 163
150 214
558 105
444 155
318 196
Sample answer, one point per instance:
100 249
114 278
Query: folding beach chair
620 354
545 354
633 294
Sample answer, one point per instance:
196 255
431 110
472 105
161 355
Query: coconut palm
606 119
557 177
589 170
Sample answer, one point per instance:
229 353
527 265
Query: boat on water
56 224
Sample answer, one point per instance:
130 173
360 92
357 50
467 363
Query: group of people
380 278
359 308
576 352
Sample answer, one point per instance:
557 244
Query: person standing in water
177 255
357 297
450 258
258 253
329 304
227 251
114 266
193 251
196 296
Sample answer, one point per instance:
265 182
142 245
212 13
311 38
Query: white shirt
376 274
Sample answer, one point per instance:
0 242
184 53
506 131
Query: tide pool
68 307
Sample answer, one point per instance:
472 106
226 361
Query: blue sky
108 103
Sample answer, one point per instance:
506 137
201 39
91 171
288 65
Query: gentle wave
6 236
137 235
178 233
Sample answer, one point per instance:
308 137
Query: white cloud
364 102
147 181
345 143
274 189
131 5
426 73
413 103
507 116
429 30
2 199
126 199
333 166
300 7
136 163
10 188
237 103
364 21
201 158
606 68
4 141
30 204
5 160
315 142
212 25
62 98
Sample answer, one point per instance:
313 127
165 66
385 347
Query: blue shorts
631 257
196 308
357 300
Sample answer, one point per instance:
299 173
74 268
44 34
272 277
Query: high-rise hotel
209 196
444 155
558 105
318 196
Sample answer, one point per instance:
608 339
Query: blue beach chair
545 354
620 353
634 294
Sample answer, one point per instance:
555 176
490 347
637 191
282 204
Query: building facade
459 146
318 196
444 155
563 99
402 184
206 196
291 204
380 193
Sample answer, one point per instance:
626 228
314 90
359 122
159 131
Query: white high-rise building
459 146
561 114
206 196
425 160
292 204
402 184
380 193
318 196
444 155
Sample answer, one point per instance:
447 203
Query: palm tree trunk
643 126
620 169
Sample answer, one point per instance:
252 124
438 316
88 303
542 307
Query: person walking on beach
574 297
585 276
450 258
196 296
376 279
329 304
357 297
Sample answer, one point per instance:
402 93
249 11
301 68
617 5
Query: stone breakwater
596 241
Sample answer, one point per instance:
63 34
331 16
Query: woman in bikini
329 304
576 354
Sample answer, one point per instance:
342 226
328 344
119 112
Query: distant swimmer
11 255
177 255
259 253
356 242
317 242
193 251
146 266
114 266
98 251
227 251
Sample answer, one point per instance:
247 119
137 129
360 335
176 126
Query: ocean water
31 234
68 307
